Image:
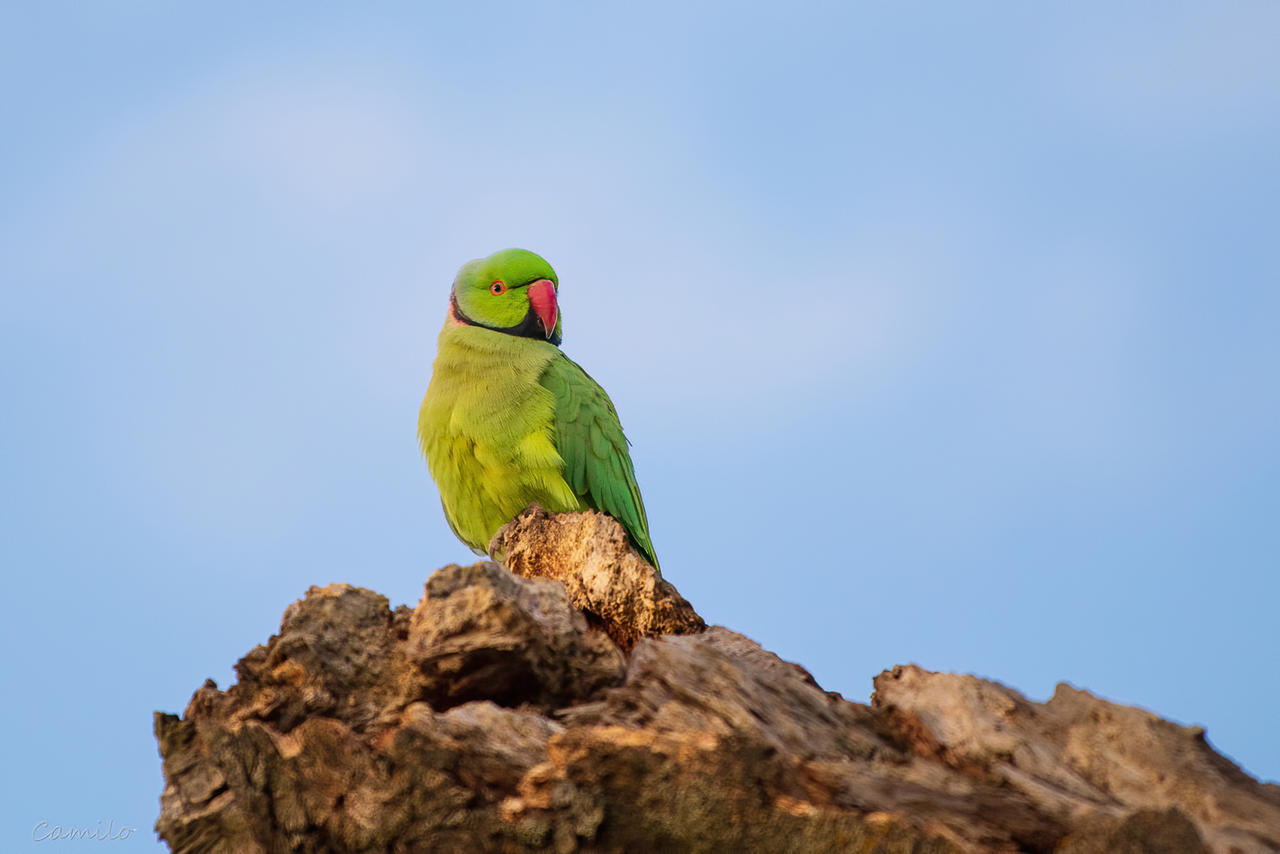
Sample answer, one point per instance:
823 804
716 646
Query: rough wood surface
513 714
605 577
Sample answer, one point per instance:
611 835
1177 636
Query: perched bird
509 420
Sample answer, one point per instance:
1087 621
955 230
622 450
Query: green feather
485 427
589 437
508 420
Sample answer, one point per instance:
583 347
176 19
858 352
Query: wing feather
589 438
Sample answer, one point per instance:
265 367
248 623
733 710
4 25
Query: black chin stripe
530 327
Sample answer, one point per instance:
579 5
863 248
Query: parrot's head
512 291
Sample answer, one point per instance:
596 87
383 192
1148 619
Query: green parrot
509 419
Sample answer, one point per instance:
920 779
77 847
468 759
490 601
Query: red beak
542 296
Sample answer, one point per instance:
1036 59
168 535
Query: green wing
588 437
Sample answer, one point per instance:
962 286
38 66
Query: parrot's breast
486 427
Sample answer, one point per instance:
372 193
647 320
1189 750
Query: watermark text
44 831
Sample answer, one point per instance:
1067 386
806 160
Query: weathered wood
594 713
605 577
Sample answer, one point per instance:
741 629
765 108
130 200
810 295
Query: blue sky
942 335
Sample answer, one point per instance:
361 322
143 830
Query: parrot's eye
497 288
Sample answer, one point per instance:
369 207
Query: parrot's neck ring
530 327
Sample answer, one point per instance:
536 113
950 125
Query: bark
587 708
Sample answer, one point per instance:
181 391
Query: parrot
509 420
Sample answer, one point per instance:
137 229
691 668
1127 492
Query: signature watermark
44 831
